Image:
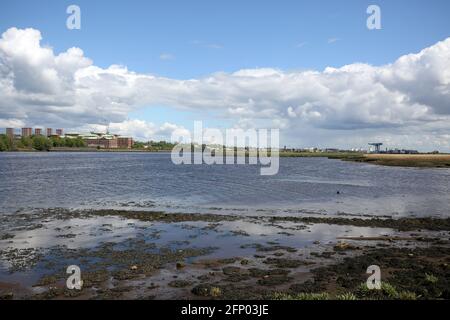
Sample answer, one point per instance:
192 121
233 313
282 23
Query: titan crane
377 146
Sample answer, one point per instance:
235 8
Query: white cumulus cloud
408 99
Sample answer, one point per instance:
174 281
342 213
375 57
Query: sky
310 68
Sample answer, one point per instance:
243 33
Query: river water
150 181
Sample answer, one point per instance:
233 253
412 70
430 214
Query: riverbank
398 160
407 160
87 149
158 255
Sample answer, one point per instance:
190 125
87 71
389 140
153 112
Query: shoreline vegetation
414 258
400 160
40 143
57 144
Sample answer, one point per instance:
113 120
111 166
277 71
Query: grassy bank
400 160
330 155
407 160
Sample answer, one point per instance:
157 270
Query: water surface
151 181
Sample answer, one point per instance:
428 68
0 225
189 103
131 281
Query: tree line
153 145
39 143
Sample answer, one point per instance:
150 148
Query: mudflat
159 255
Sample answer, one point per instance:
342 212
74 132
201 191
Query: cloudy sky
310 68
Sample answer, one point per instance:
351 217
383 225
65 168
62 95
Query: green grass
400 160
330 155
431 278
301 296
387 292
346 296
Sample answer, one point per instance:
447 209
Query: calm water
151 181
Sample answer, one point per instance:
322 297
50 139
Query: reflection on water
229 239
151 181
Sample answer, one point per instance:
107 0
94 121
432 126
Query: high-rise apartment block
10 132
26 132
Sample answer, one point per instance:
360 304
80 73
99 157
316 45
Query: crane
377 146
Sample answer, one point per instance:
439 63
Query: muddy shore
158 255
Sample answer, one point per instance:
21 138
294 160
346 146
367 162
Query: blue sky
207 36
194 39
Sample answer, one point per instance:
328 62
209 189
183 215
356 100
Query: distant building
72 135
411 151
93 139
402 151
26 132
104 141
10 132
125 143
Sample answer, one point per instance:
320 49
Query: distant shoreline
408 160
422 160
84 150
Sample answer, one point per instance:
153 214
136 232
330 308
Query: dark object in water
338 192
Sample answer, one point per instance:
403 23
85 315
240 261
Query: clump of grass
313 296
407 295
281 296
215 291
301 296
431 278
346 296
387 291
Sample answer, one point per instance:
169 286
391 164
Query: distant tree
79 143
41 143
68 143
25 142
56 142
139 145
7 143
161 145
3 146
